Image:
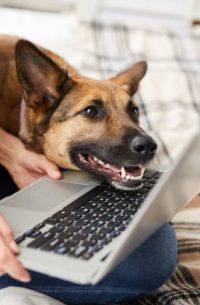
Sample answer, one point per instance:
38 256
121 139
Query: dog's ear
129 79
42 80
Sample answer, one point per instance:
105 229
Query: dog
77 122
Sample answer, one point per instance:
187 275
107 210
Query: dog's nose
144 145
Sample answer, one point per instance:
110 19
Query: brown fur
55 95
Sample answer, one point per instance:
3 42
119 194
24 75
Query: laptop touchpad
45 195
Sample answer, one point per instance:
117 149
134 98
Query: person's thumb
50 168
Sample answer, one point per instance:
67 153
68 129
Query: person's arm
24 166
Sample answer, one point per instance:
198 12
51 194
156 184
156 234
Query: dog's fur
45 101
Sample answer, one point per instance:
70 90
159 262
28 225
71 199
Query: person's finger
2 272
5 230
7 234
11 265
50 168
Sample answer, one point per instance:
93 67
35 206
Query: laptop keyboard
92 221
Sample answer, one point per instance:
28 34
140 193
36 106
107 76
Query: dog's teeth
128 177
123 172
142 171
101 162
95 159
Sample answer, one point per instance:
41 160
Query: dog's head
81 123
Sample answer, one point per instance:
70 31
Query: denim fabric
146 269
7 186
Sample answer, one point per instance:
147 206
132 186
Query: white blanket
22 296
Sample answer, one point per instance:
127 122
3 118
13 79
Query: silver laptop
78 229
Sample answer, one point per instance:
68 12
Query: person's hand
24 166
29 166
8 255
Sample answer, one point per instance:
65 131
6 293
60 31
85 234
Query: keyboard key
88 255
93 241
148 185
39 226
77 214
89 230
93 215
115 223
60 227
60 214
131 211
115 234
81 236
39 241
119 218
122 227
76 227
106 240
108 216
126 215
94 204
67 233
71 243
96 248
105 230
98 235
110 204
79 251
124 204
115 210
51 221
98 223
84 210
20 239
52 244
134 196
149 173
89 243
117 199
99 210
144 190
32 233
61 249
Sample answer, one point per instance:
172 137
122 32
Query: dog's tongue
107 165
113 167
136 171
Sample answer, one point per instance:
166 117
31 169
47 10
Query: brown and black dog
77 122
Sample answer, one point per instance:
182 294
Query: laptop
79 228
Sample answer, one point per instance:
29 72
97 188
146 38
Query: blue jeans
146 269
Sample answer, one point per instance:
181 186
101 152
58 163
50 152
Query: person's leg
7 186
146 269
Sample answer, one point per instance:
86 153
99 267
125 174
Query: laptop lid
174 190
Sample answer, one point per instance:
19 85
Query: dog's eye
134 111
90 112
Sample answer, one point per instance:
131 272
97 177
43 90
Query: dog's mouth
124 177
